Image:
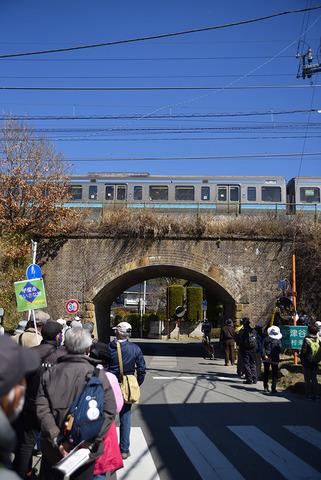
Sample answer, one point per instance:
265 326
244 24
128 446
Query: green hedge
175 298
194 304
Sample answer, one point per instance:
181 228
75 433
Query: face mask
18 408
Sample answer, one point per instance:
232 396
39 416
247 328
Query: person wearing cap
248 345
59 387
271 350
133 362
16 363
310 366
30 337
227 337
28 426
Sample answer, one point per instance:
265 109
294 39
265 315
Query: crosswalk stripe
307 433
140 465
288 464
207 459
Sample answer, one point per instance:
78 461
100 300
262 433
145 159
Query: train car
304 195
221 195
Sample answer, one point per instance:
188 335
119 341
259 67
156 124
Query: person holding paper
59 387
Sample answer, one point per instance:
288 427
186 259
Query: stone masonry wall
246 270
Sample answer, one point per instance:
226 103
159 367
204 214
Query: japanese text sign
30 295
293 336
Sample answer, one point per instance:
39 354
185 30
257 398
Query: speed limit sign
72 306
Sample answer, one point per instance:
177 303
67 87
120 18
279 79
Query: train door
228 199
115 193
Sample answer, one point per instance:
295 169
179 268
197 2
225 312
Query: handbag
128 383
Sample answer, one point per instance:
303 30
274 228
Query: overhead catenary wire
159 88
159 116
164 35
186 158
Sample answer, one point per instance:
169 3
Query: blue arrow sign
33 271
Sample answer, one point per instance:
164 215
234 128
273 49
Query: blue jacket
132 360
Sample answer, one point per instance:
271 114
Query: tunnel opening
106 296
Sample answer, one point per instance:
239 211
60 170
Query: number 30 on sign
72 306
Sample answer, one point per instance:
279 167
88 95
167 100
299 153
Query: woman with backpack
227 338
271 350
310 357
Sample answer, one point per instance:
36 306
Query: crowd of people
248 346
62 389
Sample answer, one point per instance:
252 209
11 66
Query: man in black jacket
27 426
248 344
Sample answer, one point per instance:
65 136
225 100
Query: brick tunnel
104 299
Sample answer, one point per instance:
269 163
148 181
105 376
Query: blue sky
217 58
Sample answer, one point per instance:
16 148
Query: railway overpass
241 272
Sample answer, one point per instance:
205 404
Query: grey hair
77 340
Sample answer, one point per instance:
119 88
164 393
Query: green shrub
175 298
194 304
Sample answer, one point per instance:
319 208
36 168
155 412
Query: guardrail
215 208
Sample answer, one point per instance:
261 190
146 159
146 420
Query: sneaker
248 382
266 389
254 381
125 455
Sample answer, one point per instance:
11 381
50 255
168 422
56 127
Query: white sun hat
274 332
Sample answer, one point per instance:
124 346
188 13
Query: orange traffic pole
294 300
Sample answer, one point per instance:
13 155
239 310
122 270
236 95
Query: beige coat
28 338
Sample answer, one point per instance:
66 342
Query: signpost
33 271
204 305
72 306
293 336
30 295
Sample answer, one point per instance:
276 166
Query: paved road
197 420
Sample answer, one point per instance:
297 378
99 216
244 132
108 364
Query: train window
184 193
109 193
158 192
271 194
205 193
234 194
310 194
121 192
138 192
251 194
92 195
222 194
75 192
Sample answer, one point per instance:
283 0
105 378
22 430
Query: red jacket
111 459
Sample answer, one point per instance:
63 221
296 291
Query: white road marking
288 464
207 459
140 465
174 378
307 433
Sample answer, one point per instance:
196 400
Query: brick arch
111 283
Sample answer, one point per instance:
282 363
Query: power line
142 89
142 59
164 35
118 77
210 157
156 117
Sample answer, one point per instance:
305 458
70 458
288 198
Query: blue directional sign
33 271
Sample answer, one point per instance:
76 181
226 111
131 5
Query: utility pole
294 299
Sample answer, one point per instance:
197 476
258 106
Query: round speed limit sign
72 306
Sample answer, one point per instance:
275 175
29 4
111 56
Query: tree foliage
33 184
175 298
33 189
194 297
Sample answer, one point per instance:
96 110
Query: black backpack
249 340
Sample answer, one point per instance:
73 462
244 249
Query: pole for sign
294 300
32 312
